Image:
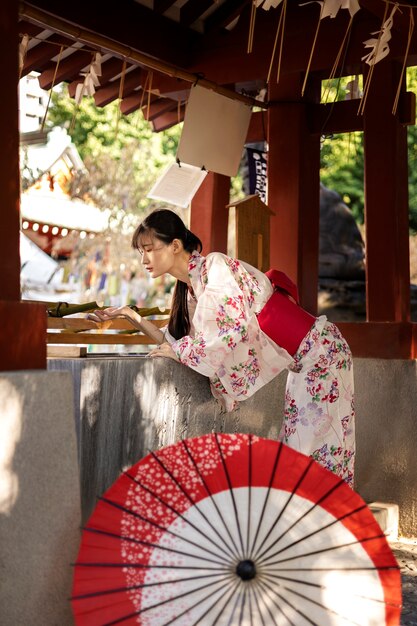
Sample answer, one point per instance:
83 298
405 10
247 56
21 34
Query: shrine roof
152 51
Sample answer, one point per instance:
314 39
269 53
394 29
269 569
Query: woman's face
157 256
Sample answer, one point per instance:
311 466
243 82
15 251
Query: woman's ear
177 246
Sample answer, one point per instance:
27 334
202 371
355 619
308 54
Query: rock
341 248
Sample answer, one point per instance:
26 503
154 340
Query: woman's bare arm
125 312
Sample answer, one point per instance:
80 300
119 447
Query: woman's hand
164 349
111 313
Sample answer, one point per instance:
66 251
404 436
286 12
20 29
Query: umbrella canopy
234 529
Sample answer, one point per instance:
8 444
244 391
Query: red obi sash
284 321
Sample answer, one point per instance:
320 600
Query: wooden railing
79 330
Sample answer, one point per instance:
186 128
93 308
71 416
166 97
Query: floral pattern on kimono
227 344
319 409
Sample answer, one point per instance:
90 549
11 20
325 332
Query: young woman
240 328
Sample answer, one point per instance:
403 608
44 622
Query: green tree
342 158
122 154
342 169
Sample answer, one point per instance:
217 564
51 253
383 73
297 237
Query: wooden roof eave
94 39
130 23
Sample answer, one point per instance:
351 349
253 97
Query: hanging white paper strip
379 46
330 8
91 81
178 184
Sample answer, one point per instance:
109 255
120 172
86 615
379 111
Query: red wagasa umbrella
233 529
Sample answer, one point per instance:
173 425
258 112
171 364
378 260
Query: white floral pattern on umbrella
234 529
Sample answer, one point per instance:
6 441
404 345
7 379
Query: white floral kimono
227 345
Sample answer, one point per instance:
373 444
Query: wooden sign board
253 231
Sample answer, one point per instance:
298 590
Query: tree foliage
122 154
342 159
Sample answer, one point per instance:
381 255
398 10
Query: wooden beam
133 102
9 157
209 216
258 127
23 326
386 201
23 336
193 9
107 94
39 57
169 87
67 69
26 28
342 117
167 120
139 99
160 6
210 54
381 340
224 15
293 188
133 24
401 18
157 107
95 39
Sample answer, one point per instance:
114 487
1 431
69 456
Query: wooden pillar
22 325
386 200
9 155
209 216
294 186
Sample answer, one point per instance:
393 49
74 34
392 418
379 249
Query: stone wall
130 405
126 406
39 498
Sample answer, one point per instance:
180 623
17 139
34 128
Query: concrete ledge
39 498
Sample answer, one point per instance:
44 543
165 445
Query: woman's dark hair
166 225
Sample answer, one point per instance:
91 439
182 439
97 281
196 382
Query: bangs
140 234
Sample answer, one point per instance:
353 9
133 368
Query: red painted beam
342 117
157 107
131 23
258 126
68 68
293 189
39 57
166 120
132 81
23 326
209 216
170 87
223 58
23 336
9 158
338 117
381 340
386 201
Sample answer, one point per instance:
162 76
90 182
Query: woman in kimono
240 328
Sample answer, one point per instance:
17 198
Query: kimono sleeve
221 321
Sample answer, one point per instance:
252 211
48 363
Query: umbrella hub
246 569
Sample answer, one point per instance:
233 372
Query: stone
39 498
341 249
